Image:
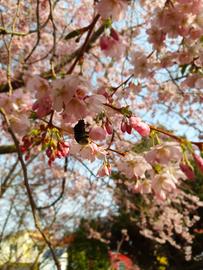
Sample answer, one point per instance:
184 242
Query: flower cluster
47 138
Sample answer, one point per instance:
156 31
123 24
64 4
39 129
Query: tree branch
7 149
29 192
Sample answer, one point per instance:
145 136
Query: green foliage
87 254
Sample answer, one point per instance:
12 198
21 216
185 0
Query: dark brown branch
62 189
8 180
84 46
7 149
17 83
29 192
38 32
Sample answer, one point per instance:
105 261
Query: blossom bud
128 128
187 171
199 162
123 126
108 128
48 152
104 43
114 34
142 128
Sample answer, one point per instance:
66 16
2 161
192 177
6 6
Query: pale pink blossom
75 110
6 102
19 124
90 151
112 45
142 65
64 90
142 186
39 86
61 93
97 133
95 104
104 170
42 106
133 165
156 36
113 9
163 183
164 153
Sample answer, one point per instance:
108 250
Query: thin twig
29 192
62 188
83 48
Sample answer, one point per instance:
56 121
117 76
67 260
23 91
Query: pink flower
64 90
142 128
97 133
104 170
133 165
164 153
142 186
198 161
112 45
156 37
42 106
75 110
95 104
38 85
163 183
20 124
142 66
90 151
113 9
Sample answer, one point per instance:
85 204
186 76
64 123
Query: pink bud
114 34
27 156
59 154
48 152
65 144
187 171
23 149
97 133
108 128
104 43
65 152
128 128
199 162
142 128
123 126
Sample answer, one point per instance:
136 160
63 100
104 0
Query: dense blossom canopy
106 95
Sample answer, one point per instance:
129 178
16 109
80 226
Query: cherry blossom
131 73
133 165
164 153
113 9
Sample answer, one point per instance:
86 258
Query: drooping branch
29 192
19 82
